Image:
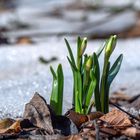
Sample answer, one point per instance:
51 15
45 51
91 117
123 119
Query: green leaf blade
115 69
89 94
70 52
54 93
56 100
100 50
60 88
96 71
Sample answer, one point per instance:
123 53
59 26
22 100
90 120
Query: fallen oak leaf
117 118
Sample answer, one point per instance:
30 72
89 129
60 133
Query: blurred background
32 36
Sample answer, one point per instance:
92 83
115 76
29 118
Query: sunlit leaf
54 94
56 99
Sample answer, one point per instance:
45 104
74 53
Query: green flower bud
110 46
89 63
83 46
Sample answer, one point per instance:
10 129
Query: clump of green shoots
56 100
87 79
86 76
84 81
109 72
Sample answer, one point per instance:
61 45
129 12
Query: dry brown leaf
14 128
117 119
24 40
5 123
95 115
79 119
38 113
132 132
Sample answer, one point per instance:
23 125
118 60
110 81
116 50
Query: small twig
96 130
134 98
134 117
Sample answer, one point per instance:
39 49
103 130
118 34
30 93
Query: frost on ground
21 73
